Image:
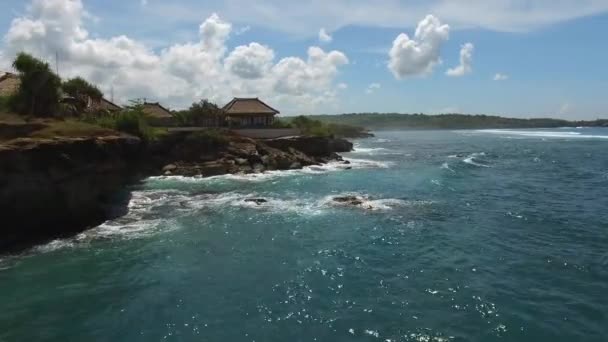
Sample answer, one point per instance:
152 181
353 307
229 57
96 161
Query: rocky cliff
60 186
55 187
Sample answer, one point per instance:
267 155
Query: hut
249 112
103 104
158 115
9 84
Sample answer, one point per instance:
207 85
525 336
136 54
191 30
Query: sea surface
489 235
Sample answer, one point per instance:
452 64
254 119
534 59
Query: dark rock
241 161
346 162
258 168
312 146
213 169
51 188
350 200
169 168
258 201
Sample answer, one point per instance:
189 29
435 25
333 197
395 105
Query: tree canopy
38 94
201 113
78 86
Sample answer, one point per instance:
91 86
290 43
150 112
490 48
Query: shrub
210 137
130 120
202 113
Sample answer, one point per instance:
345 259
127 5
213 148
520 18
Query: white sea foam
542 134
368 150
472 159
446 166
334 166
366 202
381 140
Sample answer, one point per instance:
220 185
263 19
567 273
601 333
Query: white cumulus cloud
250 61
324 37
178 74
500 77
466 60
418 55
372 88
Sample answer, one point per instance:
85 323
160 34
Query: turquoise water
462 236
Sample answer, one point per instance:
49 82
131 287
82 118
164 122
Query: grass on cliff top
16 126
72 129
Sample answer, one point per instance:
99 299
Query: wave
353 163
368 150
473 159
446 166
542 134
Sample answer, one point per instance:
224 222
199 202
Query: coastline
59 187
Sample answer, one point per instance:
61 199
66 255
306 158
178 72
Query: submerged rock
258 201
349 200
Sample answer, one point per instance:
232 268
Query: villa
249 113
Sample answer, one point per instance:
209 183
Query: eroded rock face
313 146
245 155
52 187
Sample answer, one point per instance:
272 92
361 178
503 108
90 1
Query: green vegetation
202 113
130 120
5 104
38 94
314 127
207 138
71 128
378 121
78 87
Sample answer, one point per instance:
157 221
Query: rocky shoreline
239 155
53 188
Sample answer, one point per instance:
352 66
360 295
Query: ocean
487 235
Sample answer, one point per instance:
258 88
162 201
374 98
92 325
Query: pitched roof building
249 112
157 114
9 84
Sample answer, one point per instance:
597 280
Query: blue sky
553 56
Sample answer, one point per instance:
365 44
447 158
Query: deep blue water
463 236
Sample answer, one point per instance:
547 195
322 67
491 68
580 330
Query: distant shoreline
395 121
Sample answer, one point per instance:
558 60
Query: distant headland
396 121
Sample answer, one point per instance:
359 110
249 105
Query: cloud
242 30
324 37
500 77
466 59
342 86
180 73
250 61
372 88
418 56
304 17
564 109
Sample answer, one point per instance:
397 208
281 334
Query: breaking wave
542 134
473 159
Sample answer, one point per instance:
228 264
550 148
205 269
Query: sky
517 58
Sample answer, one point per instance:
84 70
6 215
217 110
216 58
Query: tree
202 113
78 87
38 94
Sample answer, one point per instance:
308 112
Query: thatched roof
248 106
105 104
155 110
9 84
